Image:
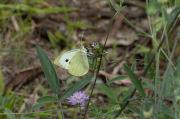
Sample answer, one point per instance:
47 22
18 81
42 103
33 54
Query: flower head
89 53
78 97
94 43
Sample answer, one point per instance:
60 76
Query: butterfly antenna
82 37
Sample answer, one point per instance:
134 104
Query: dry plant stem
60 107
150 62
8 19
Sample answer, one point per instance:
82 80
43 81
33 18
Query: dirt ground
19 62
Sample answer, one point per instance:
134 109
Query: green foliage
70 80
49 70
76 87
106 90
144 107
35 10
10 116
37 106
150 72
1 83
117 78
133 67
161 88
43 90
47 99
135 81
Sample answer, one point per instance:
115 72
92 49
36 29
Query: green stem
96 73
60 107
80 111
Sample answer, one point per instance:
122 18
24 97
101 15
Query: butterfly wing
64 59
79 65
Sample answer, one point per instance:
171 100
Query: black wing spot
66 60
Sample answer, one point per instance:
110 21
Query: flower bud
96 47
151 10
105 53
149 113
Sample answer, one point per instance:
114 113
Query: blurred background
57 26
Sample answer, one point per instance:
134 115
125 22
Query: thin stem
8 19
60 107
156 78
150 62
80 111
134 26
165 77
96 73
95 78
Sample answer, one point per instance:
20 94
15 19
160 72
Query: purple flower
78 97
89 53
95 43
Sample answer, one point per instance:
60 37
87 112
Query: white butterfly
75 61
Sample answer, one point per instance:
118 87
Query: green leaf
76 87
135 110
1 82
158 6
106 90
6 101
166 16
133 67
167 111
176 72
150 85
176 10
150 72
21 99
70 79
82 25
43 90
142 48
47 99
158 26
35 10
127 94
1 107
1 99
27 107
159 19
117 78
167 84
134 80
10 116
144 107
49 70
37 106
164 108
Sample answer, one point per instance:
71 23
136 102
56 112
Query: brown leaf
23 76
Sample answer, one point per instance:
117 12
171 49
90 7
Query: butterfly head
83 49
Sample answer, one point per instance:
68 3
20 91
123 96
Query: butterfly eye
66 60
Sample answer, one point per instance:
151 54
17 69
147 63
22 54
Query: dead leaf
22 76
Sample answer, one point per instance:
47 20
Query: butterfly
75 61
